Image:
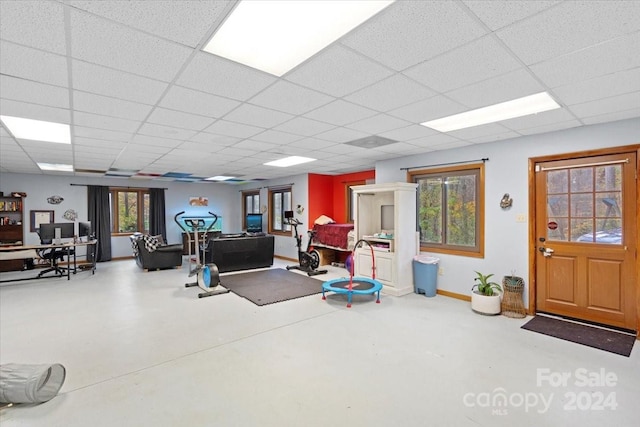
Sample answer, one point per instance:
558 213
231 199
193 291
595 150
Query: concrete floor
142 350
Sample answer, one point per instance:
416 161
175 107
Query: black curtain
100 217
157 219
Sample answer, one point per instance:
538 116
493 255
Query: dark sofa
240 252
165 256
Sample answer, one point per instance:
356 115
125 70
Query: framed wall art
40 217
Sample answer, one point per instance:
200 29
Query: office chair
53 256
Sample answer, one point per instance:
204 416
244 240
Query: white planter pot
484 304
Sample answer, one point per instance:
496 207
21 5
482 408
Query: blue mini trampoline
355 285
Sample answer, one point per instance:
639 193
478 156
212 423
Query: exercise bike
207 275
309 259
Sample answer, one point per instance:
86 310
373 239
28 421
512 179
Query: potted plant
485 295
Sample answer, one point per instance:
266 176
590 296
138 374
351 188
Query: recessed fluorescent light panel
275 36
219 178
55 167
290 161
531 104
37 130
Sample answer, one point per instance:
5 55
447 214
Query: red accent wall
320 195
327 194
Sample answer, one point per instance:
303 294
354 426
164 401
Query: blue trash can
425 275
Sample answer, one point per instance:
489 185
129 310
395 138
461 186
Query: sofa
151 253
232 252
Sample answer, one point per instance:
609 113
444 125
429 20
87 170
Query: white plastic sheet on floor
30 383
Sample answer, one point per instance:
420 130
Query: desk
28 251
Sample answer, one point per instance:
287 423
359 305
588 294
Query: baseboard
454 295
285 258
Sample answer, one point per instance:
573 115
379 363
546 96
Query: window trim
348 196
246 194
475 252
115 214
272 192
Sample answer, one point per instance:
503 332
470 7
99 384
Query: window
451 209
279 202
250 204
129 210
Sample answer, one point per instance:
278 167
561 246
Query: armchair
153 255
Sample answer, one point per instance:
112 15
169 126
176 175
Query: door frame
531 310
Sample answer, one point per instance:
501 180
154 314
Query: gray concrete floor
142 350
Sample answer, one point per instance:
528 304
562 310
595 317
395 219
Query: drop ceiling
143 100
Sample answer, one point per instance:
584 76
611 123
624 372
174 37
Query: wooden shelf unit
11 229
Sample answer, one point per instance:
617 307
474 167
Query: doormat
271 286
592 336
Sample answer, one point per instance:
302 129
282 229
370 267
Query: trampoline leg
378 298
348 299
323 297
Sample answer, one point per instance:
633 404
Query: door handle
547 252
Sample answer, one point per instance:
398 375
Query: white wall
506 241
224 200
285 246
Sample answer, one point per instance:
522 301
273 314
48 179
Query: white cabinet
385 216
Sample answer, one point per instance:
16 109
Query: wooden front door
586 238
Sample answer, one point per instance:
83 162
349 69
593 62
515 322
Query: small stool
512 304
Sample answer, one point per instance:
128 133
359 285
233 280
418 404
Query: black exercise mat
603 339
271 286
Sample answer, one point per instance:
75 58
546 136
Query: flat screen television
254 223
47 232
84 229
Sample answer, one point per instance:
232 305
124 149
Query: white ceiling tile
312 144
550 128
97 146
340 135
609 57
500 13
34 111
170 142
612 117
238 130
179 119
432 108
506 87
390 93
185 22
303 126
106 135
253 145
212 74
211 138
150 149
377 124
540 119
569 27
202 147
400 149
290 98
629 101
276 137
434 140
105 122
196 102
409 32
257 116
471 63
117 84
340 113
33 92
338 71
600 87
36 24
32 64
408 132
344 149
161 131
118 47
98 104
